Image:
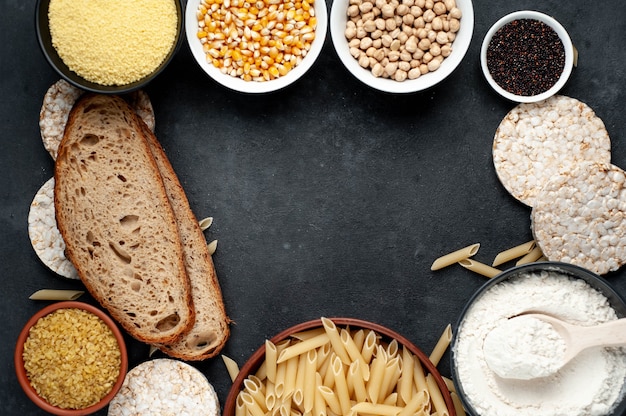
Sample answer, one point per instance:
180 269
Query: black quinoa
525 57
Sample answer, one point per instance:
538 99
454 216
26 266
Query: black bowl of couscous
70 358
111 46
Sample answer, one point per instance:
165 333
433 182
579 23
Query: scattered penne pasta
513 253
455 257
231 367
56 294
534 255
441 346
311 377
480 268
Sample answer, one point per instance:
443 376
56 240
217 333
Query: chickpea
439 8
369 26
366 43
432 36
400 75
354 43
429 15
416 11
366 17
429 4
408 19
419 22
395 33
442 38
378 70
451 36
455 25
379 55
418 54
380 23
435 64
353 10
355 52
350 33
394 56
450 4
414 73
402 10
420 3
411 45
446 50
360 33
390 24
395 45
435 49
427 57
386 39
408 3
424 69
422 33
405 56
424 44
366 7
437 24
380 4
364 61
404 66
391 68
377 43
455 13
376 34
387 11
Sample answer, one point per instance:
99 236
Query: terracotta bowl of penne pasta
339 366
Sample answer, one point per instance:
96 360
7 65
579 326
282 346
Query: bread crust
210 331
119 228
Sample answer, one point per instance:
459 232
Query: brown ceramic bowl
258 357
21 371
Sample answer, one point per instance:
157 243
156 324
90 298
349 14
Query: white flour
590 385
524 348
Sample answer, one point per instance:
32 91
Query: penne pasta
231 367
436 397
331 399
205 223
377 374
319 404
271 355
341 387
369 346
415 404
458 406
442 345
358 383
309 381
534 255
406 378
390 377
454 257
392 348
309 333
480 268
255 391
281 372
251 405
449 384
299 387
376 409
56 294
302 347
289 382
513 253
335 340
240 407
354 353
270 395
359 338
418 376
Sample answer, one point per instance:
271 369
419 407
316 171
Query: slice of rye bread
210 331
119 229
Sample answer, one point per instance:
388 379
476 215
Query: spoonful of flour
524 348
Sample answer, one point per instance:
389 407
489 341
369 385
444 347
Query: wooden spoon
509 359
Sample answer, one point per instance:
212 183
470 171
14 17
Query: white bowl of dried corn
255 47
401 47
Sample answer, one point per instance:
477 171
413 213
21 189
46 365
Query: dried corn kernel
261 41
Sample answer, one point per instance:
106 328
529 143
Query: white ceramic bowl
563 35
338 19
238 84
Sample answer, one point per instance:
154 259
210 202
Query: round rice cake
58 102
165 387
536 141
44 234
580 217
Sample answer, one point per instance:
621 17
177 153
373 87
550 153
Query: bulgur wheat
72 358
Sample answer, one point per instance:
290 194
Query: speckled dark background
329 198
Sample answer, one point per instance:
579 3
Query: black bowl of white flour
592 384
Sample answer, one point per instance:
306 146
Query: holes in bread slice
203 341
168 323
119 252
89 140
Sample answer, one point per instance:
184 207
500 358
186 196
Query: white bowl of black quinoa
527 56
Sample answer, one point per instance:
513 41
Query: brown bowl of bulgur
70 358
111 46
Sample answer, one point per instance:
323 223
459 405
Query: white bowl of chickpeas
401 46
255 46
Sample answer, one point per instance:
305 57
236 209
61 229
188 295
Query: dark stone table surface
329 198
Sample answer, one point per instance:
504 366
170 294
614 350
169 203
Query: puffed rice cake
58 102
536 141
44 234
165 387
580 217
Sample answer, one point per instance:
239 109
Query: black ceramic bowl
42 28
616 301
